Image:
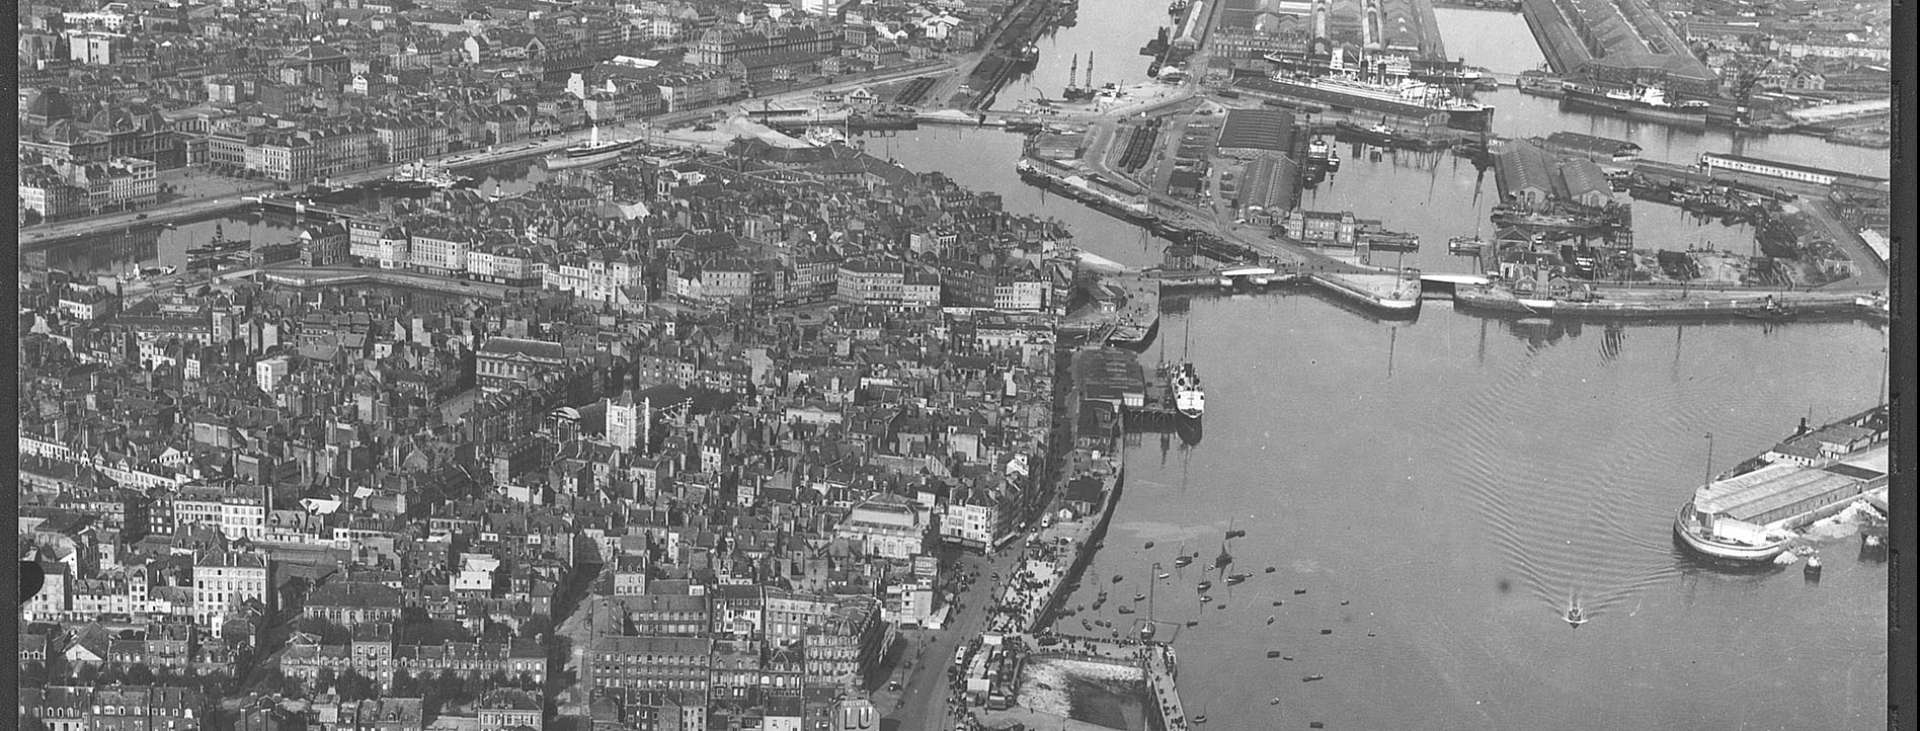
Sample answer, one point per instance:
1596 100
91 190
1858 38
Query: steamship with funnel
1368 81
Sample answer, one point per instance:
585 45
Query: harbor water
1442 491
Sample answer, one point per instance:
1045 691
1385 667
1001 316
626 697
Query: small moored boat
1312 678
1273 653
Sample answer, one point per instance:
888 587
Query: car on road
893 685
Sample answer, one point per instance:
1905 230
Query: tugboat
1576 616
1813 568
1775 311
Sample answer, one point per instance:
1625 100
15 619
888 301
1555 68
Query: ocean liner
1389 86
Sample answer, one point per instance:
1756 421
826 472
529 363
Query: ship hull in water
1473 118
1577 101
563 162
1721 549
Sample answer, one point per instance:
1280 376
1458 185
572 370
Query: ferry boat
1188 397
1647 102
1384 85
594 152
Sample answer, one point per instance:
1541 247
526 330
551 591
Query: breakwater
1679 305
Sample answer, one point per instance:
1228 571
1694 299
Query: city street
923 697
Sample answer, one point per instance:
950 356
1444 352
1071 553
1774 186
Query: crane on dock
1743 92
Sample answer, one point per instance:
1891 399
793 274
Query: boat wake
1582 510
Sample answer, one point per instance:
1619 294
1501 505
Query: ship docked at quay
1752 513
418 179
1394 87
594 152
1085 188
1189 399
1646 103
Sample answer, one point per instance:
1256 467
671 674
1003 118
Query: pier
1162 685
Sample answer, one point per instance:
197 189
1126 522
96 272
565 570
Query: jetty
1163 669
1667 302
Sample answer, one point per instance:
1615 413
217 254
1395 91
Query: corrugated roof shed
1257 129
